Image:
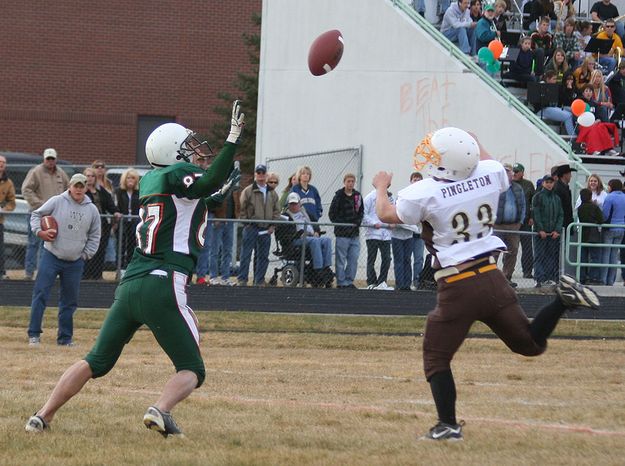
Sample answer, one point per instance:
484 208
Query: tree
247 84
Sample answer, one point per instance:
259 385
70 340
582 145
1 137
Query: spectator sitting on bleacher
458 26
552 110
583 73
600 138
564 10
475 10
558 65
527 66
485 31
568 91
603 10
541 38
567 41
587 95
584 34
617 85
608 33
601 95
500 15
536 10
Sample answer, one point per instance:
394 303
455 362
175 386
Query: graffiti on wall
428 99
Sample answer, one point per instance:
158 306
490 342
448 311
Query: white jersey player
457 207
460 215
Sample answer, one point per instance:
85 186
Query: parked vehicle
16 234
19 164
115 173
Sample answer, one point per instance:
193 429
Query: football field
320 389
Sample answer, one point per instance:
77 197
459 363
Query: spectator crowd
530 221
579 58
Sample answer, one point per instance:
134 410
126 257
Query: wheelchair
290 268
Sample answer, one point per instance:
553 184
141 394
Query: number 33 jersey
459 215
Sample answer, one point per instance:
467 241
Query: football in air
49 223
325 52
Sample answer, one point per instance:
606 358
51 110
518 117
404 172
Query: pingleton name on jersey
465 186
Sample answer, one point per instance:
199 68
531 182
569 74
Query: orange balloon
496 47
578 106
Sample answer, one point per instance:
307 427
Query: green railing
511 100
574 242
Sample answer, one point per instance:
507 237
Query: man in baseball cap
41 183
564 169
293 198
78 178
49 153
562 189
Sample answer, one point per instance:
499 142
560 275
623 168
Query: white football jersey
461 213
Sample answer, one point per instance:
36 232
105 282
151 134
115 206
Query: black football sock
546 320
444 393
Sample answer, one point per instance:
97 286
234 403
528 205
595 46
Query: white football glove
231 183
236 123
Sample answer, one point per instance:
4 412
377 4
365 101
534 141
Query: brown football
325 52
49 223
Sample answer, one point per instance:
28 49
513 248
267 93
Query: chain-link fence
296 259
328 169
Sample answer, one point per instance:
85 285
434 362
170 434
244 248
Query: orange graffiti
428 98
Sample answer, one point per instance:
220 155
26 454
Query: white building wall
393 85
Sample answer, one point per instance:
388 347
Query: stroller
291 261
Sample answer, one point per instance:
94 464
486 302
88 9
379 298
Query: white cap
292 198
49 152
78 178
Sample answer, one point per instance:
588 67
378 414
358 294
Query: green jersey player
174 199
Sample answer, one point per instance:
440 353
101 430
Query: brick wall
76 77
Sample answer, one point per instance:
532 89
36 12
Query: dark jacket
547 211
523 63
485 31
564 192
346 209
103 200
529 190
123 204
589 212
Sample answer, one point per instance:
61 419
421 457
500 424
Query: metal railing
16 245
574 248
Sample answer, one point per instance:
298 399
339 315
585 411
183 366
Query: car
115 173
16 234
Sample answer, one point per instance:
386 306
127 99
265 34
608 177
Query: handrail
572 241
494 85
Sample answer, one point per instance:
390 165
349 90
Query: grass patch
289 389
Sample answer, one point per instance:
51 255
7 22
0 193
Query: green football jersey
173 214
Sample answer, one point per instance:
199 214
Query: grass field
344 390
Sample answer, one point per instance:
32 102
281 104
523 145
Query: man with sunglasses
259 201
609 33
41 183
174 200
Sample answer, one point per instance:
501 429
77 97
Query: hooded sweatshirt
79 227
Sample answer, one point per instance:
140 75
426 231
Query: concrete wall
393 85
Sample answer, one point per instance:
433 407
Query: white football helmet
448 153
170 143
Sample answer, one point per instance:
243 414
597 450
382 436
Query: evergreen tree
247 84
